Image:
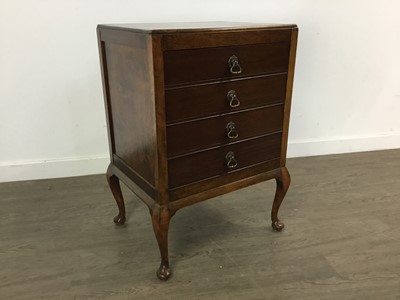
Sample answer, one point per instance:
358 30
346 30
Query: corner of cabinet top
160 28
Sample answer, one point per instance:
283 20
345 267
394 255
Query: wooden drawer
214 131
211 64
210 163
209 99
166 90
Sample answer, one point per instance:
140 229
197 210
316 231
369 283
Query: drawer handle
233 99
234 65
231 129
230 160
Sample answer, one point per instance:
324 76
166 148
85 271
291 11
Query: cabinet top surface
193 26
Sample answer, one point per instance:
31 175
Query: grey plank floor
341 241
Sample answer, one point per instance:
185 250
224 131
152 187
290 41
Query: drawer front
205 100
219 130
211 64
211 163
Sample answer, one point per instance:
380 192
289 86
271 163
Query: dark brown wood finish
195 27
288 100
115 187
224 38
161 216
198 100
156 55
106 91
282 185
212 162
223 129
143 184
223 180
132 106
165 88
210 64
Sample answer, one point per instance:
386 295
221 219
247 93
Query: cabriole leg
282 185
115 187
160 216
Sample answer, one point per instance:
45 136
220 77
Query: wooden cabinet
196 110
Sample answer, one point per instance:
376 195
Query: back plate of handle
234 66
231 162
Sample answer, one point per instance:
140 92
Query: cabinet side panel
288 98
131 103
106 91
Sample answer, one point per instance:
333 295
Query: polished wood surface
226 38
288 99
198 101
212 162
149 189
157 60
188 121
193 26
219 130
132 107
160 217
341 241
211 64
115 188
282 186
225 183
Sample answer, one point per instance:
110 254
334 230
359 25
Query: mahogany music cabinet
195 110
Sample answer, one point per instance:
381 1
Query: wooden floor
341 241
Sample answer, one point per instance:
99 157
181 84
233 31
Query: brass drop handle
231 162
234 66
233 99
231 129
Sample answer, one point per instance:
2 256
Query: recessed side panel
131 102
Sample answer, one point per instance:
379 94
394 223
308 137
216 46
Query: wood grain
106 92
211 99
156 58
193 27
199 155
215 38
341 239
212 162
132 107
211 64
289 90
211 132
